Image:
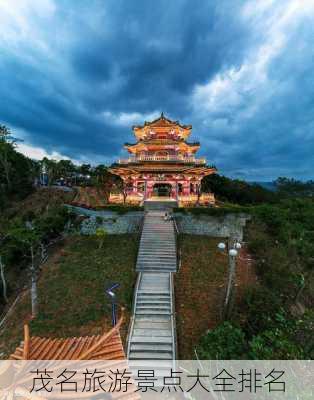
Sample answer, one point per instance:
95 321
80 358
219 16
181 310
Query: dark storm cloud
76 75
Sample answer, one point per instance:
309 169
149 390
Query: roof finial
162 115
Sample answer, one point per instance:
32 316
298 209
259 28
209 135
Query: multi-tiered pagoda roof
163 155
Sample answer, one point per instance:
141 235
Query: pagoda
163 165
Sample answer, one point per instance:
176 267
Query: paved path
152 334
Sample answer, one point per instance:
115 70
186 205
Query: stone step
138 355
153 292
148 313
151 339
153 318
157 246
152 302
152 324
152 347
156 269
156 262
152 334
158 232
152 295
155 281
154 289
163 299
156 265
157 239
157 259
165 230
160 254
159 251
157 243
152 309
154 277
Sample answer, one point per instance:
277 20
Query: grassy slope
71 290
199 288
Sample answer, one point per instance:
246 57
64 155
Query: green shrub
274 345
214 211
99 220
261 306
226 342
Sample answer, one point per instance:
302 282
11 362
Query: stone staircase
160 205
157 250
152 332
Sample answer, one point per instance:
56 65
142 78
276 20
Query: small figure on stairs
167 217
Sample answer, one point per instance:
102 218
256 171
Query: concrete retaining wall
224 226
112 222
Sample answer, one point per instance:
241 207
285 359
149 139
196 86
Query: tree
237 191
3 253
65 169
29 238
123 186
85 169
100 172
287 187
16 170
6 146
101 235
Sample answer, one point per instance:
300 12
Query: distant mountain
267 185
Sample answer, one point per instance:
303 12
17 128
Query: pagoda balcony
169 158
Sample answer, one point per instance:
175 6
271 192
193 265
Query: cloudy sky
75 75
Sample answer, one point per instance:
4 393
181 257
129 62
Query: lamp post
231 248
110 292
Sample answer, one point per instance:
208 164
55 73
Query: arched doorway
162 189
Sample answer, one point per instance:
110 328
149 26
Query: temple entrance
162 189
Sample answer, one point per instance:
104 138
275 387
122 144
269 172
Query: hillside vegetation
275 319
31 224
71 290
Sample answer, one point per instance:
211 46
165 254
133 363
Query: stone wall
112 222
230 225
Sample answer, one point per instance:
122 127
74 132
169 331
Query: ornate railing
187 160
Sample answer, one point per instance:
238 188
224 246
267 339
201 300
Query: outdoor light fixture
112 296
233 252
221 246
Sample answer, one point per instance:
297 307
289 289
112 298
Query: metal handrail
137 285
131 325
177 247
173 319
